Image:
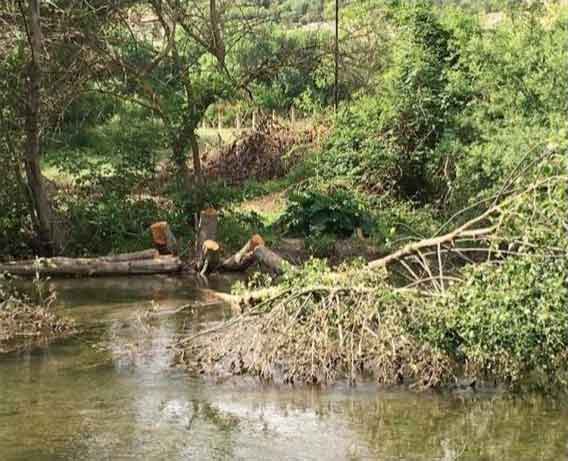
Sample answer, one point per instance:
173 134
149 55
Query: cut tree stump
163 238
244 258
210 253
207 232
94 266
254 251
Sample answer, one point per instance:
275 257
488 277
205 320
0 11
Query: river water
112 394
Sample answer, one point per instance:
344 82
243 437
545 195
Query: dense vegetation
449 112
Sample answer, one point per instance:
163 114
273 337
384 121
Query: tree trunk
218 45
244 258
179 149
196 158
48 231
121 257
207 232
269 259
94 266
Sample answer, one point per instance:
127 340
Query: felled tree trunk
254 251
206 248
112 265
272 261
163 238
134 256
244 258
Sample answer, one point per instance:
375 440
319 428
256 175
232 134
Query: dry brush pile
487 300
268 152
26 323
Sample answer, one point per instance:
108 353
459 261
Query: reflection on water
76 401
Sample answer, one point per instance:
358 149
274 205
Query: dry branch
464 231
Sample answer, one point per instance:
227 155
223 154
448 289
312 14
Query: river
112 394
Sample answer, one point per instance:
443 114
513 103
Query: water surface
112 394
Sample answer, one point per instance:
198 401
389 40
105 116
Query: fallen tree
244 258
109 265
254 251
134 256
501 317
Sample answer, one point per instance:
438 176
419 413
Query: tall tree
47 62
180 75
50 234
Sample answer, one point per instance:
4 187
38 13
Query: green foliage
507 321
388 141
457 109
235 228
398 222
110 224
320 245
15 220
286 65
331 209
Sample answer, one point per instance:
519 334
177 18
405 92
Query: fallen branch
465 230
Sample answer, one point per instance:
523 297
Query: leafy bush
235 228
388 141
330 209
508 321
15 220
113 223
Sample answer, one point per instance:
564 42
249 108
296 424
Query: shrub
508 322
235 228
388 141
113 223
325 209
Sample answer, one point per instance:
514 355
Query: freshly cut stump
207 232
163 238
